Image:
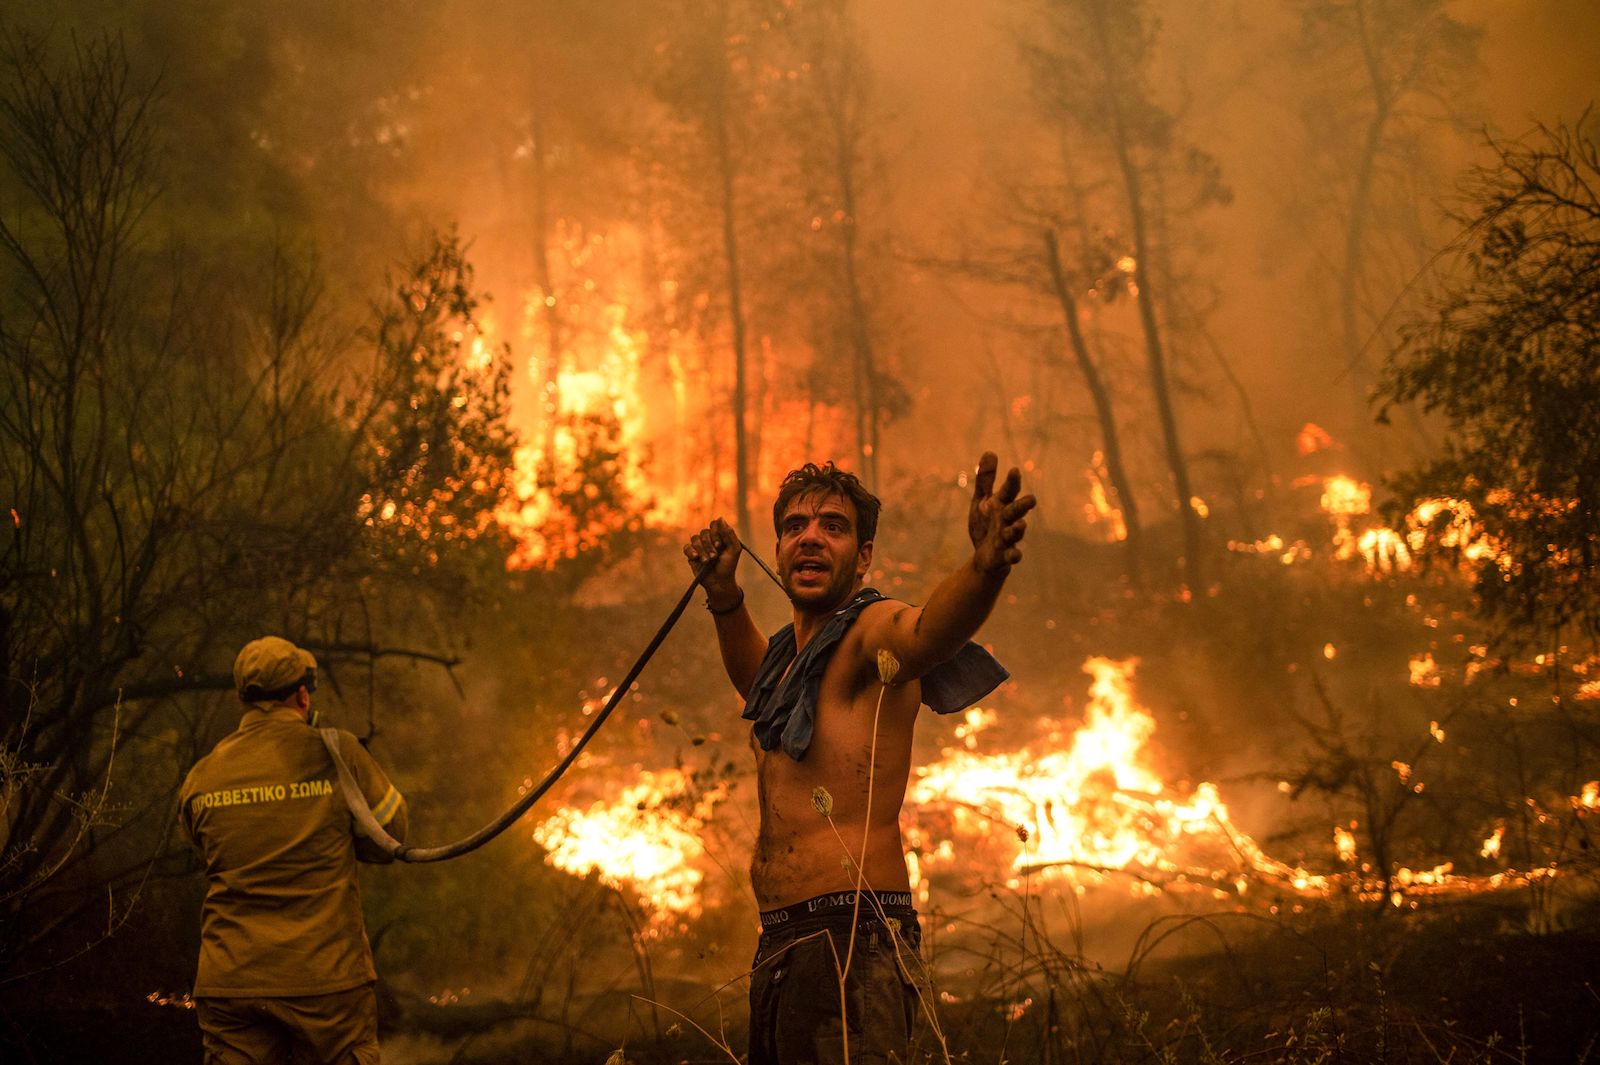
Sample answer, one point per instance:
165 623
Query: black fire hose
395 849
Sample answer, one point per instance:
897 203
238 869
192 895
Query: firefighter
285 966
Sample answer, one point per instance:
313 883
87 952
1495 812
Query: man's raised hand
718 543
995 520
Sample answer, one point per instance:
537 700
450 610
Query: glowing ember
1345 499
974 721
1312 438
1424 671
1491 846
1346 496
176 999
1385 550
1344 841
1273 544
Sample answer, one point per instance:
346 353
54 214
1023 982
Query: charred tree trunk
1109 439
1160 387
726 172
867 402
1193 564
550 307
1360 205
838 100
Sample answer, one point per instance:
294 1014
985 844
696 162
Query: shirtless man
833 753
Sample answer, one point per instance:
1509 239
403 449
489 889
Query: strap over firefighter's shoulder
356 801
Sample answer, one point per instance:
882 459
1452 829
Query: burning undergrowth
1078 804
1331 738
1323 737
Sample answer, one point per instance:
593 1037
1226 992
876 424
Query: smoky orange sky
948 69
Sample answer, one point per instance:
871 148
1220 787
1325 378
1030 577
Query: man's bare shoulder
869 634
879 617
882 611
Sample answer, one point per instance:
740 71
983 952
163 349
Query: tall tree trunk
833 61
666 368
866 367
1385 97
726 173
549 306
1193 563
1102 407
1354 247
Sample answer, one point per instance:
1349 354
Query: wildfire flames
594 406
1092 806
1085 808
648 839
1084 805
616 436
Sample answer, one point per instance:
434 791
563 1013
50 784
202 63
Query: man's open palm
996 520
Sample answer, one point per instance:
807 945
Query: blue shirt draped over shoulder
783 699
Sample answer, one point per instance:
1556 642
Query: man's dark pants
797 1014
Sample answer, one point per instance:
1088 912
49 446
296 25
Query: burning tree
709 85
436 445
1509 353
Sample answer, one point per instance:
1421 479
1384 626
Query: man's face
820 559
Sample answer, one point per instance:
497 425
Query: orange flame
649 400
1096 807
1099 509
647 840
1387 550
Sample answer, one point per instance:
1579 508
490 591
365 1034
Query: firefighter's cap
272 667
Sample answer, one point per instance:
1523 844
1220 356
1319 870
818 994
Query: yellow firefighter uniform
284 957
282 913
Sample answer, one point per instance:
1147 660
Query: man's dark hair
829 480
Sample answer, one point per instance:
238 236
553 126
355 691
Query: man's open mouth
810 566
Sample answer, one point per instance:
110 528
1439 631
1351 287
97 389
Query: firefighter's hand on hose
718 542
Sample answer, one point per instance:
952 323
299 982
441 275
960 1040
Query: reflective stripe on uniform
384 812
